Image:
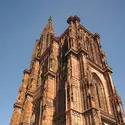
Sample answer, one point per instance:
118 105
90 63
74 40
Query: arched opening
48 39
64 59
98 93
65 46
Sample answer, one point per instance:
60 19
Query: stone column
49 93
27 107
111 90
16 117
84 61
27 110
48 101
34 76
15 120
22 90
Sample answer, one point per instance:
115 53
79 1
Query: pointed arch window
64 51
48 39
98 97
99 93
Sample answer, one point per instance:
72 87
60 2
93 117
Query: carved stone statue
85 40
88 92
104 60
89 75
53 63
92 87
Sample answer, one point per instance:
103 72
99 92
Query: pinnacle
50 19
49 24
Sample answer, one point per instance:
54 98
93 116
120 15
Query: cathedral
68 81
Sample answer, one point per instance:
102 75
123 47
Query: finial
73 19
50 19
69 19
76 18
48 28
49 25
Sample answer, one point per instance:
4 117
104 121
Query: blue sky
22 21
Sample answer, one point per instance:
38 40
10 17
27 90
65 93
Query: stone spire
49 25
49 28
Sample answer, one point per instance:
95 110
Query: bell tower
69 81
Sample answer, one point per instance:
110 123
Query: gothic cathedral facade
68 82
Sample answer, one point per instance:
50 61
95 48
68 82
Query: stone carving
92 88
89 92
88 75
38 52
53 63
118 109
79 38
103 54
94 52
72 37
90 48
119 106
79 34
97 118
85 40
70 33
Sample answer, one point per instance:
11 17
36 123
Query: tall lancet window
48 39
99 93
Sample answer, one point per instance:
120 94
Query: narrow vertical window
99 93
98 97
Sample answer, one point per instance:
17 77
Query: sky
22 22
